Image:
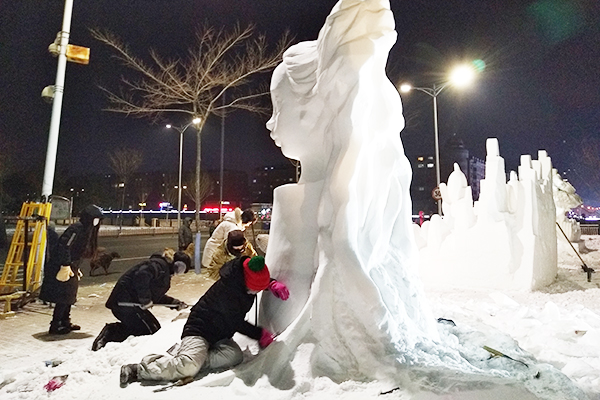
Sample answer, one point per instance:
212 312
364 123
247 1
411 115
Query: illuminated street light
461 76
195 121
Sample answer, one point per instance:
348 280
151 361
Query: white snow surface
554 329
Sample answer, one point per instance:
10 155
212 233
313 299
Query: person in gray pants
207 342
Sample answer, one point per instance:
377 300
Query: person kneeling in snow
136 292
206 341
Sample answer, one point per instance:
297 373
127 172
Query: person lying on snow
206 341
136 291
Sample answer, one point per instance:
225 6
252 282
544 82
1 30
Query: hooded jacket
77 242
231 220
222 310
185 236
222 256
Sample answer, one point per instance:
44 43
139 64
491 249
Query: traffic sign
436 194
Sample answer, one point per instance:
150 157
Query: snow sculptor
342 237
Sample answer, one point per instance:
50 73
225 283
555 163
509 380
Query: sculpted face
286 120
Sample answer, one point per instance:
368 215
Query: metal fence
589 229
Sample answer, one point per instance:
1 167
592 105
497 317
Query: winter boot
129 374
102 338
59 328
113 332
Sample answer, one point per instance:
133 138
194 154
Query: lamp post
461 76
182 129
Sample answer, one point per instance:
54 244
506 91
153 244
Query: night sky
540 88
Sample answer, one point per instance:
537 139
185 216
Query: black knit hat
236 238
183 257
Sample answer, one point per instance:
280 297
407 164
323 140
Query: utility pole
65 52
63 38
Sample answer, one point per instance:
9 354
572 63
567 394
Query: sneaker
74 327
128 374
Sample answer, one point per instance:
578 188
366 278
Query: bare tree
194 87
125 162
206 187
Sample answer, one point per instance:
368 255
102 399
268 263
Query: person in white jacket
235 219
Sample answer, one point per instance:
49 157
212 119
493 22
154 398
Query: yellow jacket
222 255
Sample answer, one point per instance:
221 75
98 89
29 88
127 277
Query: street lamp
182 129
460 76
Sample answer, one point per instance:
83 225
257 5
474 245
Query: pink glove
266 338
279 290
55 383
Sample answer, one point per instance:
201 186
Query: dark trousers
61 314
135 321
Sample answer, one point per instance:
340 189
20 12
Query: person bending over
206 341
136 291
235 246
236 219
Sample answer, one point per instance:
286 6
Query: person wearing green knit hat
207 340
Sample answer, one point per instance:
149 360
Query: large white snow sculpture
342 237
506 240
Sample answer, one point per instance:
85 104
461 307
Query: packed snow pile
558 329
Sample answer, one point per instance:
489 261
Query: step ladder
21 275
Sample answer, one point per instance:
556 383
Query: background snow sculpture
342 237
565 199
506 240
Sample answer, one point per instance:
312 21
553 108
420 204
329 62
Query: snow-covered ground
559 326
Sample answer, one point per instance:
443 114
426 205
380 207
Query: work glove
266 338
279 290
65 273
79 274
147 305
181 305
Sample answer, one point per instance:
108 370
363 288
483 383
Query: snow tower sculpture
341 238
505 240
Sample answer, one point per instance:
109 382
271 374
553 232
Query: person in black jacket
185 236
136 291
206 341
61 269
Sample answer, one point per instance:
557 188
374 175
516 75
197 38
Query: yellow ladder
33 217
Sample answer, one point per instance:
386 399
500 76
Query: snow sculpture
506 240
565 199
342 237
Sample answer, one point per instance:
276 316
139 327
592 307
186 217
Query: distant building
235 188
424 176
476 174
264 179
